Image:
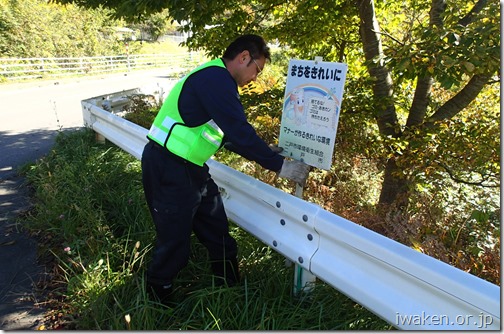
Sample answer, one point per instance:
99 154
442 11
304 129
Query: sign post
311 108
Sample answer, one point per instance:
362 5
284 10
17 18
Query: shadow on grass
20 148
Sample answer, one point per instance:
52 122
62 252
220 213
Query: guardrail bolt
278 204
300 259
275 243
305 218
282 221
310 237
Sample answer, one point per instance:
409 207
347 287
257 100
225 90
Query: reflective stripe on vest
195 144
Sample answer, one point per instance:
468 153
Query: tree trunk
386 115
394 187
383 86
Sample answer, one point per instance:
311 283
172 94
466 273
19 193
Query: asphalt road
31 114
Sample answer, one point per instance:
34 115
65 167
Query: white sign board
311 109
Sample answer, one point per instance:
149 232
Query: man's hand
275 148
295 170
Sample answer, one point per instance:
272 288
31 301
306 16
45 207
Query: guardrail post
303 279
100 138
127 56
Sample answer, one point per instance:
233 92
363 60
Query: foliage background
43 29
35 28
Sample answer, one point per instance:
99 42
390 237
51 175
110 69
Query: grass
92 217
166 46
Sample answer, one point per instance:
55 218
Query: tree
444 56
426 62
155 25
34 28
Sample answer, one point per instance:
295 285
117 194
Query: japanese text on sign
322 111
316 72
308 136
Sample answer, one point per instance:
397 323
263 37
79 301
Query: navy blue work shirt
212 93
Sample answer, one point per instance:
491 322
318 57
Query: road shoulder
20 304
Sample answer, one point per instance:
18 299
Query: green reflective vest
195 144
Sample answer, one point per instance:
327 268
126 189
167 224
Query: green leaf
469 66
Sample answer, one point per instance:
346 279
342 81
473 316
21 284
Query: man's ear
243 56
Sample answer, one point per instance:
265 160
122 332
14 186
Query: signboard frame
311 108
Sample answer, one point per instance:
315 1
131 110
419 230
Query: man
201 114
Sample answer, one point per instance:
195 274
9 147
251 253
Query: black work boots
226 272
162 292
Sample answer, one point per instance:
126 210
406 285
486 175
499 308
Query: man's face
250 68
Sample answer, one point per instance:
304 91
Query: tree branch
389 36
436 13
462 99
475 10
459 180
418 108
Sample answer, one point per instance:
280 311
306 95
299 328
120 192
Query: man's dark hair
252 43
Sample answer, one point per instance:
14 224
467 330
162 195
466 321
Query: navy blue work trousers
182 198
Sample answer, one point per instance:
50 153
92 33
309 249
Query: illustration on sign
311 110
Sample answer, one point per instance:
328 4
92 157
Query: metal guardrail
26 68
408 289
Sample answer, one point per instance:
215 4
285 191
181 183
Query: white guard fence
29 68
408 289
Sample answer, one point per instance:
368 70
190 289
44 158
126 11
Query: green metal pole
303 279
